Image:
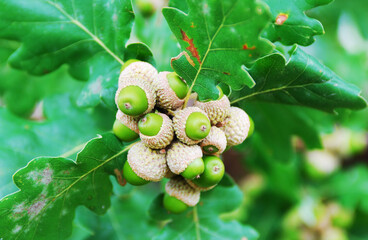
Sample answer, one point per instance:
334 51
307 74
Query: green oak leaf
218 38
202 221
290 24
303 81
52 188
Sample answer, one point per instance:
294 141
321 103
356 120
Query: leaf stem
196 222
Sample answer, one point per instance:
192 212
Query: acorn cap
128 121
177 187
195 186
147 163
166 97
140 70
217 110
179 122
217 139
145 86
236 126
163 137
179 156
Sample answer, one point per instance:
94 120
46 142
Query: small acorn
171 90
125 127
216 110
156 130
179 195
147 164
185 160
236 126
214 171
135 97
138 70
191 125
214 143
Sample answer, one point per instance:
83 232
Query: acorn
156 130
214 171
185 160
179 195
216 110
214 143
135 97
125 127
171 90
236 126
191 125
147 164
137 69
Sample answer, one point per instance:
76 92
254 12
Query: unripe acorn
125 127
236 126
214 170
171 90
156 130
135 97
148 164
216 110
185 160
191 125
136 69
215 142
179 189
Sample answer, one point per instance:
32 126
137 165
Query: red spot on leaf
192 26
281 18
226 73
245 47
192 49
119 177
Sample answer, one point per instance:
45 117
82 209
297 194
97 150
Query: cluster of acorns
178 141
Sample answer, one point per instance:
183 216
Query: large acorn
185 160
171 90
135 97
125 127
144 164
138 70
216 110
214 143
156 130
179 195
191 125
236 126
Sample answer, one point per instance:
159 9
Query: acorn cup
138 70
236 126
214 143
179 195
156 130
144 165
125 127
185 160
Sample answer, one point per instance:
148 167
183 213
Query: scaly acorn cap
216 140
177 187
144 85
166 97
147 163
217 110
195 186
180 120
163 137
140 70
180 155
236 126
128 121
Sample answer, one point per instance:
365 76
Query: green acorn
236 126
171 90
125 127
178 189
191 125
185 160
216 110
135 97
138 70
214 143
147 164
156 130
